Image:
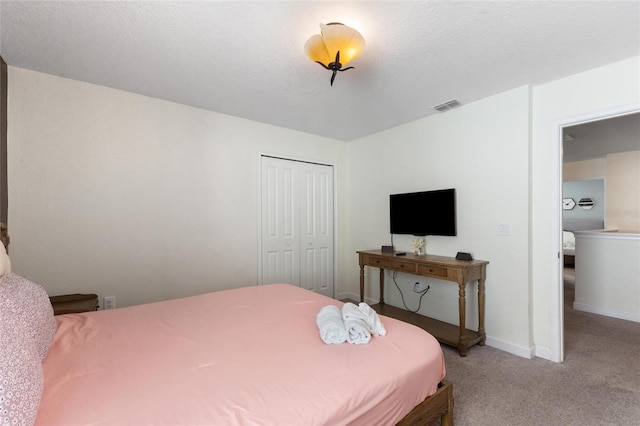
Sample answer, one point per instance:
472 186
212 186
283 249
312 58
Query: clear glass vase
419 245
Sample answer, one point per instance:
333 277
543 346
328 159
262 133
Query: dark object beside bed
74 303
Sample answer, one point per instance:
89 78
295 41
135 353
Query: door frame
335 210
557 292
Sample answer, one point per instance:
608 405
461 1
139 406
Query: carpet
597 384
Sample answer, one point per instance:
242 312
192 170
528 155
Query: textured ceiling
246 58
599 138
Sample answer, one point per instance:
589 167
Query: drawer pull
432 270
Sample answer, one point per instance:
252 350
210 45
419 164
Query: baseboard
356 297
542 352
520 351
629 316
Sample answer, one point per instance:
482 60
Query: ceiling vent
447 105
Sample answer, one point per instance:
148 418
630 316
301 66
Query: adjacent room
237 212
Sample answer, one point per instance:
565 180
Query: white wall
571 99
116 193
481 149
608 274
120 194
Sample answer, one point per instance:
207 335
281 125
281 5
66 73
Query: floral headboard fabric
21 376
26 306
27 327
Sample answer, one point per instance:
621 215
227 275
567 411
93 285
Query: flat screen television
423 213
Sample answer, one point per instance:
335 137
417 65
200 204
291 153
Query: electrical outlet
109 302
419 287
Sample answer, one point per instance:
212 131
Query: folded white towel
331 325
357 328
372 319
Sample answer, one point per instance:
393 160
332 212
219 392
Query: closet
297 224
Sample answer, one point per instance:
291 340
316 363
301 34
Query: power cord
422 293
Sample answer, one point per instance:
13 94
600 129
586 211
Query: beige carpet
598 384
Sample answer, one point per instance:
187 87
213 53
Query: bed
569 247
249 356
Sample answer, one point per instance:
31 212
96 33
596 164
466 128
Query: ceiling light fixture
334 47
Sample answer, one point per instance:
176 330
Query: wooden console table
440 267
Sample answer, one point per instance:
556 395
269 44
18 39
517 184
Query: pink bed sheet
249 356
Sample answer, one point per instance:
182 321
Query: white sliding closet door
297 224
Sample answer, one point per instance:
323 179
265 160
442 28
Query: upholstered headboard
582 224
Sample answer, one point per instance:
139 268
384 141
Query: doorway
557 296
297 224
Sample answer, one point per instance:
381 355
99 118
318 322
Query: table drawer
435 271
376 261
399 265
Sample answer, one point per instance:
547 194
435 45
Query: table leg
462 310
361 282
481 311
381 286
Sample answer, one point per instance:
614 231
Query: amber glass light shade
334 47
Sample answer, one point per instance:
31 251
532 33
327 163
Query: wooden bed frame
438 406
569 260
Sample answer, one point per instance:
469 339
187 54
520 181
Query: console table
440 267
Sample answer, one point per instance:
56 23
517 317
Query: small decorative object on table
418 246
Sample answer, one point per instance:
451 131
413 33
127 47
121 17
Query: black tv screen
423 213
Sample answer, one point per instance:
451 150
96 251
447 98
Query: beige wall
587 169
623 191
120 194
621 172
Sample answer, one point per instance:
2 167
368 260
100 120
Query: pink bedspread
250 356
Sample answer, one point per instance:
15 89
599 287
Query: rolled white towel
372 319
331 325
357 329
